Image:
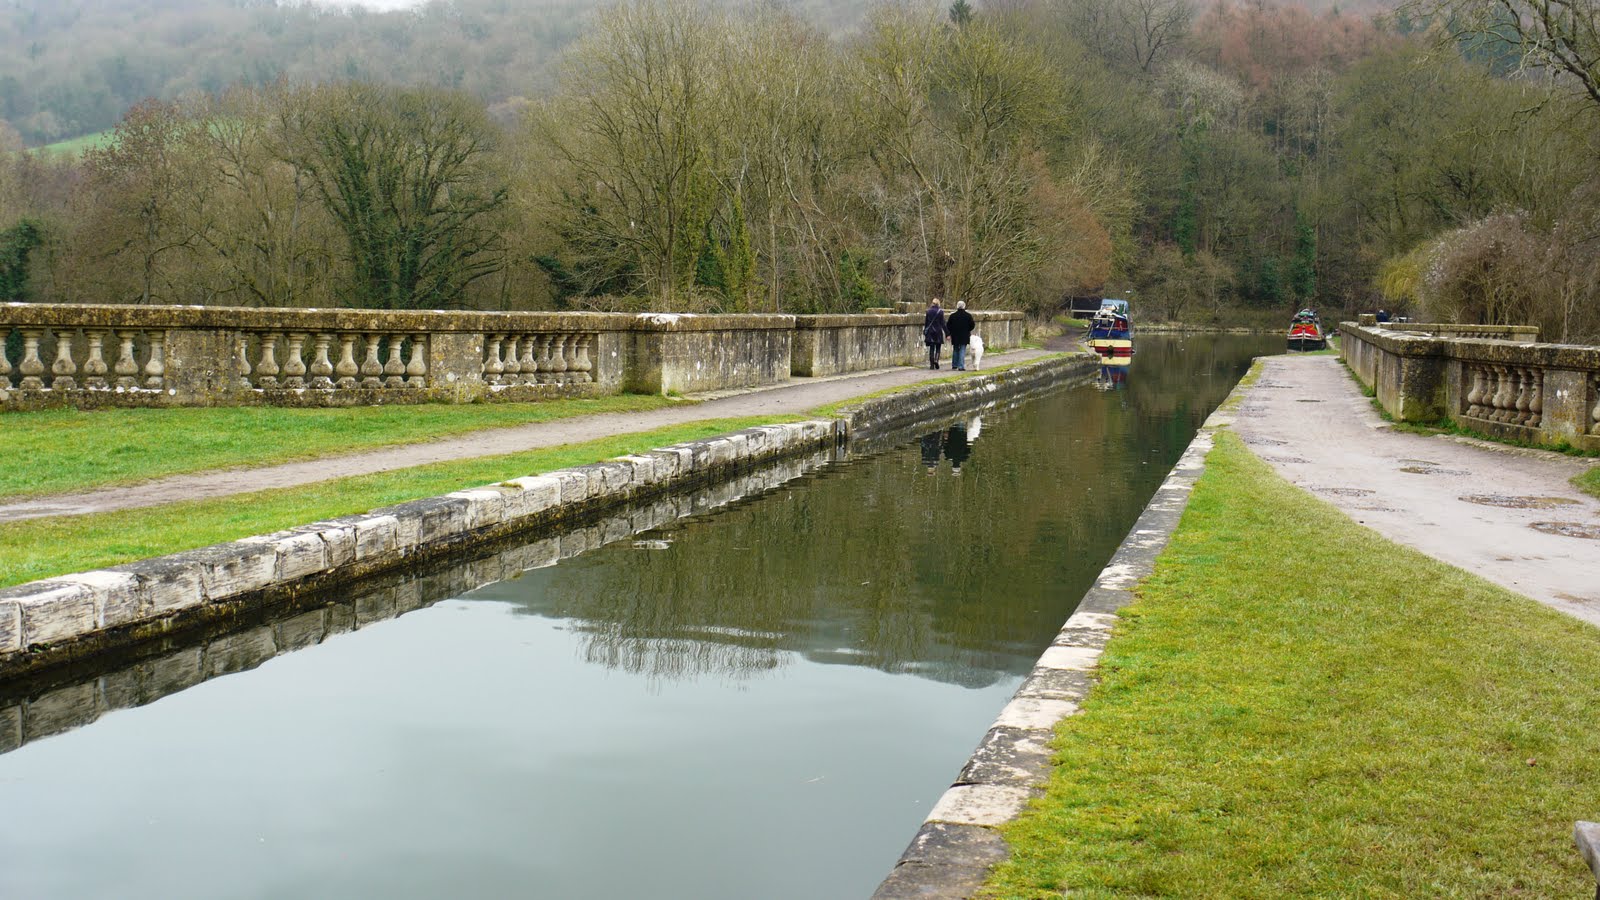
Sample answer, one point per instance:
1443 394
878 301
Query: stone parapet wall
1537 393
156 356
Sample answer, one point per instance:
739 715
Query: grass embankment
39 548
1281 715
67 450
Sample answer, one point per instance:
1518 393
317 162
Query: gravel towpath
1505 514
793 397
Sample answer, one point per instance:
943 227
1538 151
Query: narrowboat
1111 334
1305 332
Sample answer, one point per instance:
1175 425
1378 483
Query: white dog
975 352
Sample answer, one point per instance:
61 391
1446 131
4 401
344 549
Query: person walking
933 332
960 326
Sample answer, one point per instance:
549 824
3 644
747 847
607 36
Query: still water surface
762 702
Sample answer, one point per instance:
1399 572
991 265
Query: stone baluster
371 368
1502 394
5 362
94 367
31 366
547 375
558 358
241 355
294 363
65 369
530 366
1594 414
1519 406
493 368
155 368
417 368
1535 399
582 365
1475 396
321 365
346 368
127 366
267 369
394 369
513 364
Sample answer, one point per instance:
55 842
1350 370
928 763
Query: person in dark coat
933 332
960 326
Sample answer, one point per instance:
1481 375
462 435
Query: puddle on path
1265 442
1507 501
1569 529
1305 400
1432 470
1343 491
1286 459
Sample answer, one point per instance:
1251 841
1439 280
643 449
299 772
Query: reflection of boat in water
1305 332
1111 332
1113 376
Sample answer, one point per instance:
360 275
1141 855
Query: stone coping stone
1586 835
1551 356
958 844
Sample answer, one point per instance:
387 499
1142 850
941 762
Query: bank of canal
760 702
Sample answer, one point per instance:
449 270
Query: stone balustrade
98 356
1507 388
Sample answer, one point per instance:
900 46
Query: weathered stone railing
1538 393
829 345
92 356
1520 334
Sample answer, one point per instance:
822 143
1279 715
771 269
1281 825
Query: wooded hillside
675 155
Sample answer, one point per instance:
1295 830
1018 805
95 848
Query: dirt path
791 398
1475 506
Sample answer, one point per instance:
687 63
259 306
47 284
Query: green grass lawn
40 548
67 450
1295 707
1589 482
75 146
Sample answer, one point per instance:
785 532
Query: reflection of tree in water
962 580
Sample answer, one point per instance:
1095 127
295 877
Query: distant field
75 146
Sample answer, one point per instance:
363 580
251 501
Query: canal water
760 702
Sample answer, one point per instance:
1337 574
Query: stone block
233 569
168 584
298 632
52 610
442 518
486 507
756 441
10 626
1019 757
980 804
116 594
644 470
720 453
616 478
338 539
739 445
239 652
669 464
534 494
300 554
63 709
574 486
376 537
10 728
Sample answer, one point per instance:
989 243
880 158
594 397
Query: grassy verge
40 548
1395 730
1589 482
68 450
